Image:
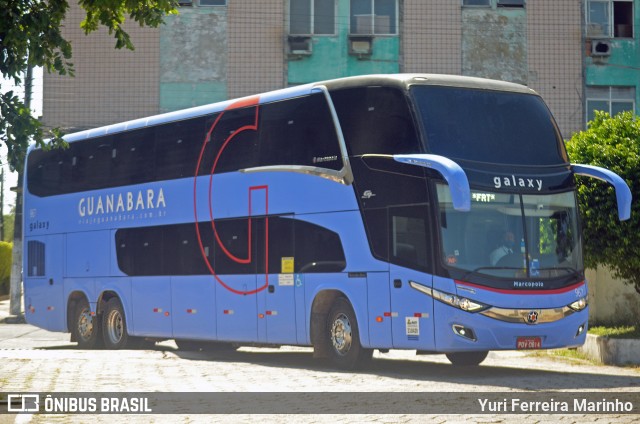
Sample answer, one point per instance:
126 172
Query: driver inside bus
507 243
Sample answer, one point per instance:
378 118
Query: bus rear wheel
86 327
114 325
467 358
345 350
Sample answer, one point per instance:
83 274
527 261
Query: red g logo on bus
227 136
532 317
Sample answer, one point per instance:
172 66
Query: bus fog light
580 330
465 332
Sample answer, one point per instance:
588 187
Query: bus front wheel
114 325
467 358
86 327
345 350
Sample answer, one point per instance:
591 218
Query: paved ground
34 360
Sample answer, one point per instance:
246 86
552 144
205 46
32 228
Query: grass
617 332
612 331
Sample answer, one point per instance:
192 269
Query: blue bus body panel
496 335
151 306
45 304
237 314
193 307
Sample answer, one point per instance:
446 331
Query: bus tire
345 350
86 327
114 325
467 358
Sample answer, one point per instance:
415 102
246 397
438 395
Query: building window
610 18
510 3
212 2
476 3
374 17
612 100
315 17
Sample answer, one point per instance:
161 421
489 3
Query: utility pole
15 283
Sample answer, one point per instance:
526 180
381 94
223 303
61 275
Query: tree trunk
15 287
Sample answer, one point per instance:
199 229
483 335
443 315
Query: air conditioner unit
361 45
300 45
600 48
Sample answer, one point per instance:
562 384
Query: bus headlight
450 299
579 304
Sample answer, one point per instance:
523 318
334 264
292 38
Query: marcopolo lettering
517 182
121 202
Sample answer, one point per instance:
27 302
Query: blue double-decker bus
425 212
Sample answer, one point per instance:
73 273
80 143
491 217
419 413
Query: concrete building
218 49
612 64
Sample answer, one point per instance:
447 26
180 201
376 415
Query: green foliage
5 266
8 227
30 35
613 143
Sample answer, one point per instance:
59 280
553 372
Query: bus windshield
488 126
511 235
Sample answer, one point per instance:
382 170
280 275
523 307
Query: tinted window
293 132
233 141
162 152
177 148
409 237
375 120
175 250
488 126
299 132
317 249
35 259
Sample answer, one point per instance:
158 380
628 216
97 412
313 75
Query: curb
611 351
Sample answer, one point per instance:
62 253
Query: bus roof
400 80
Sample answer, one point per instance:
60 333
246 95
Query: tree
613 143
30 35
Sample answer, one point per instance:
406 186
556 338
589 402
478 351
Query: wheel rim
85 324
341 335
115 326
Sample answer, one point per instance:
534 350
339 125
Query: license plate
529 343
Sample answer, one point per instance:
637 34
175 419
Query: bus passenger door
276 259
410 256
43 282
235 274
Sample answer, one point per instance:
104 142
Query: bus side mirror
623 193
452 173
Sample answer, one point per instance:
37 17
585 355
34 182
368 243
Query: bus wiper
567 269
477 270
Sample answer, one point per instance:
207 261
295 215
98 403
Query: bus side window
178 147
375 120
239 152
98 157
79 154
410 237
133 162
317 249
299 131
35 258
234 237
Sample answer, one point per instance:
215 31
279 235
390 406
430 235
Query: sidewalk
5 315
